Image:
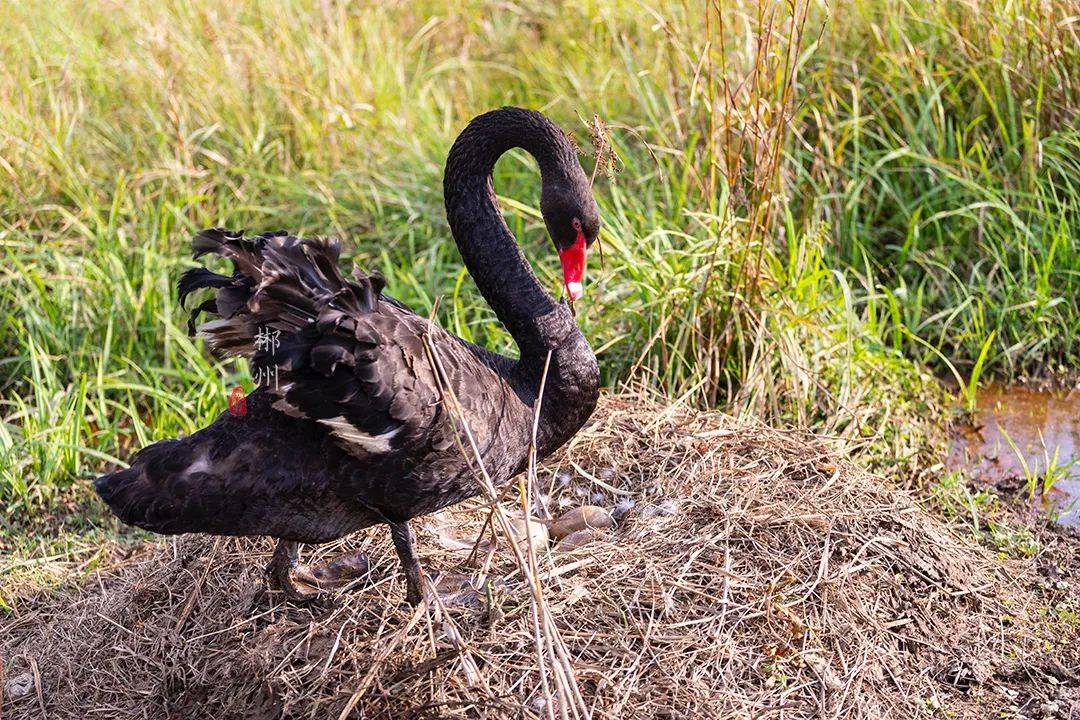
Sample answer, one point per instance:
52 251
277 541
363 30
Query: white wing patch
348 432
200 465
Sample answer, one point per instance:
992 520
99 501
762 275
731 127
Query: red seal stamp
237 402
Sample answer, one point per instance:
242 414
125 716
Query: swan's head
573 222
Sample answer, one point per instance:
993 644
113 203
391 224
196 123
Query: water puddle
1038 422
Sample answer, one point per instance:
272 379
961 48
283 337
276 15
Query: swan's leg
404 544
280 569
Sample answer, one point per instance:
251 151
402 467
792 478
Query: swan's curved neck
536 321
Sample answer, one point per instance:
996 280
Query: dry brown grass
757 576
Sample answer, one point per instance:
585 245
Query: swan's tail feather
155 493
230 479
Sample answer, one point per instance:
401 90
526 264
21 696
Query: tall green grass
945 152
811 206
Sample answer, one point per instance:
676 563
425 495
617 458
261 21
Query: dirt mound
752 574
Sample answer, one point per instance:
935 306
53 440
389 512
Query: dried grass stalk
757 575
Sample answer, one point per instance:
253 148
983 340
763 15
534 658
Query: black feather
207 306
199 278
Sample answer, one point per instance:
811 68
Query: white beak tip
575 290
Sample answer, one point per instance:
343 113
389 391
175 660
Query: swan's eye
579 231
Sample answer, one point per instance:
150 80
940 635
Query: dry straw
755 576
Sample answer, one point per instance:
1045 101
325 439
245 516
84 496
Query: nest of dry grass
756 575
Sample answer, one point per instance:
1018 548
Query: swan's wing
330 349
368 381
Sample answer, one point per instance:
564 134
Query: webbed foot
338 573
306 584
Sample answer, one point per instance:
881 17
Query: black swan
348 428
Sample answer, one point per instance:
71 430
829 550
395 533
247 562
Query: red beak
573 267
